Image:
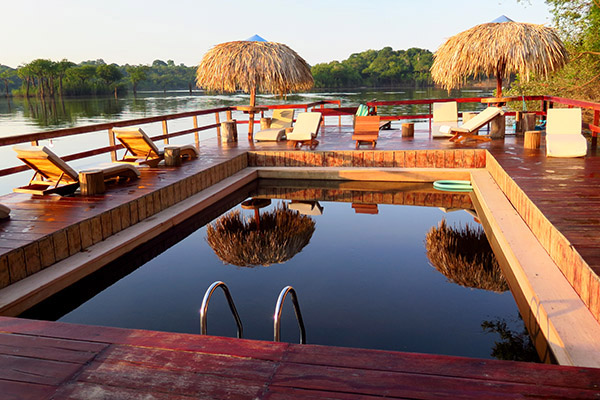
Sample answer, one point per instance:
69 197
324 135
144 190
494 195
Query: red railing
34 138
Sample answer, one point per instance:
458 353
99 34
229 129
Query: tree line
43 77
376 68
47 78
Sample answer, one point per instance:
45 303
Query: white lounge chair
469 129
141 150
563 133
306 207
306 129
281 120
444 114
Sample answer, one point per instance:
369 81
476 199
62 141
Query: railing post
165 130
218 121
594 133
228 115
35 143
111 141
196 135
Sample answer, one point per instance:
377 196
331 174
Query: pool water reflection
363 280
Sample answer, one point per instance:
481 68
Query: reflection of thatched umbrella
283 233
464 256
498 49
253 65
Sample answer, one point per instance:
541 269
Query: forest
41 77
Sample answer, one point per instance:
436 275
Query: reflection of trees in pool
513 346
237 240
465 257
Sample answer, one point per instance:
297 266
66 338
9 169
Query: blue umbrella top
255 38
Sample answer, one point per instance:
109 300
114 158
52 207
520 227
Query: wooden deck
45 360
54 360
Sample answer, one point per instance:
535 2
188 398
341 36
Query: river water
21 116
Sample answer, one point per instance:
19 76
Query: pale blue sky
138 32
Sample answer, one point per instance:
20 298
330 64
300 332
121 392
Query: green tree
110 74
61 70
137 74
578 23
42 69
26 74
6 76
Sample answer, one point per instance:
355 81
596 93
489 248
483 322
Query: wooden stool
525 122
408 129
265 123
498 127
532 140
229 131
91 182
172 156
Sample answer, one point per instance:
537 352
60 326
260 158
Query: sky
139 32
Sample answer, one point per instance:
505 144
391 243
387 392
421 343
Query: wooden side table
532 140
91 182
408 129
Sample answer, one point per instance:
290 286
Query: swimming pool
363 279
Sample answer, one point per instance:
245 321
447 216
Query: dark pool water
364 280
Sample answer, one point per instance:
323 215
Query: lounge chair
469 129
53 175
563 133
305 130
141 150
360 208
366 130
444 114
363 111
306 207
281 120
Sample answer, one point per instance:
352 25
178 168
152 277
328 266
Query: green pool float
453 186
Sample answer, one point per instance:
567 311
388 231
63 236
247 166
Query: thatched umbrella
464 257
253 65
283 233
498 49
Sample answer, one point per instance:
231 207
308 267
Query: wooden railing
34 138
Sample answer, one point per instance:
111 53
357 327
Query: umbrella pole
251 114
498 86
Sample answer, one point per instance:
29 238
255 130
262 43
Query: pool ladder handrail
204 308
277 316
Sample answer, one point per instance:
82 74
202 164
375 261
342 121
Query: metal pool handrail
277 317
204 308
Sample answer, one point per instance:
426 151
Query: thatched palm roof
253 66
464 256
238 241
498 49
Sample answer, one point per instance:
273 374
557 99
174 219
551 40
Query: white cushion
307 126
272 134
566 145
563 121
447 111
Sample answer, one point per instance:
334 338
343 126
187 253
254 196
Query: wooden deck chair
363 111
563 133
366 130
306 130
281 120
53 175
444 114
141 150
469 129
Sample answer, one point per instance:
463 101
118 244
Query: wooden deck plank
25 391
35 370
48 348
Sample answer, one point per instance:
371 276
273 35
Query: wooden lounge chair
281 120
563 133
366 130
53 175
141 150
305 130
363 111
444 114
469 129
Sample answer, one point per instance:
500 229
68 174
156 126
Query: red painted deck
45 360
